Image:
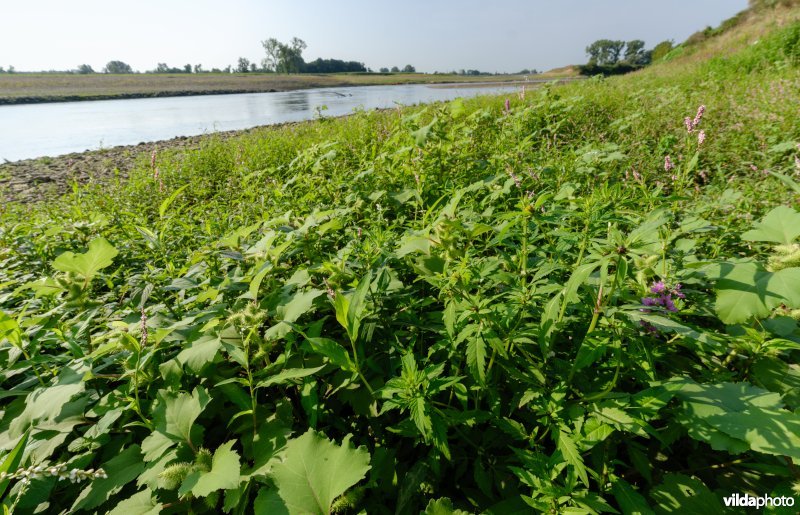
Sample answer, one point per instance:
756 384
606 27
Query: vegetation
579 299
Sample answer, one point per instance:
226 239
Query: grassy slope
375 192
45 87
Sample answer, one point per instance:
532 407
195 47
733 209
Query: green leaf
12 460
443 506
681 494
268 502
747 290
200 353
176 414
100 255
781 225
331 350
142 503
570 453
631 501
316 471
162 209
770 431
224 473
289 374
121 470
476 358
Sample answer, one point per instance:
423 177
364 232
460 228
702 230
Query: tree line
612 57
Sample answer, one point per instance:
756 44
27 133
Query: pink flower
668 165
689 125
701 137
508 105
699 116
153 158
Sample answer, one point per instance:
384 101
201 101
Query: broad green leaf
47 404
681 494
747 290
177 413
770 431
100 255
121 470
300 304
316 471
781 225
268 502
631 501
224 473
142 503
200 353
413 243
287 375
331 350
12 460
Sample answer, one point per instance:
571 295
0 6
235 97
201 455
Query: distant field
22 88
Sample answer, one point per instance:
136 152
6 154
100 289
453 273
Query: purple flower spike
649 301
658 287
669 304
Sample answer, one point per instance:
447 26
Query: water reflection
28 131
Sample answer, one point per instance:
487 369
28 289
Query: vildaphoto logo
746 500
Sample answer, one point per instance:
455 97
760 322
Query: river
37 130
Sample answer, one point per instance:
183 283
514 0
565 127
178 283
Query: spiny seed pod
785 256
203 460
348 501
173 476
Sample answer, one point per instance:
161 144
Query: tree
605 52
253 67
395 69
409 69
384 70
198 68
243 66
85 69
635 53
661 50
117 67
272 47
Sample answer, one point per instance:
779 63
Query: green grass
453 294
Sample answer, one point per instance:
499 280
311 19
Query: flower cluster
25 476
668 164
691 124
664 296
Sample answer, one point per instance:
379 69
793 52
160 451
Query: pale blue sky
497 35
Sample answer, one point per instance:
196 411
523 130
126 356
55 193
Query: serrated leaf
100 255
316 471
224 473
571 455
631 501
770 431
331 350
268 502
781 225
443 506
476 358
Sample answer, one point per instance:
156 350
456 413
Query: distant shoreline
23 88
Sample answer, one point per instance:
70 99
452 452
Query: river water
36 130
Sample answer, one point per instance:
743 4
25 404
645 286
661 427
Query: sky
433 35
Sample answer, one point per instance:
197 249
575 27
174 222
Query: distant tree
605 52
253 67
2 70
227 69
162 68
635 53
409 69
11 69
216 70
272 47
661 50
85 69
198 68
243 65
384 70
187 68
117 67
395 69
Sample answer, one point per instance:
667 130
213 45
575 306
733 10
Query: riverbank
36 88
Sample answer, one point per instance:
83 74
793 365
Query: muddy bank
32 180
